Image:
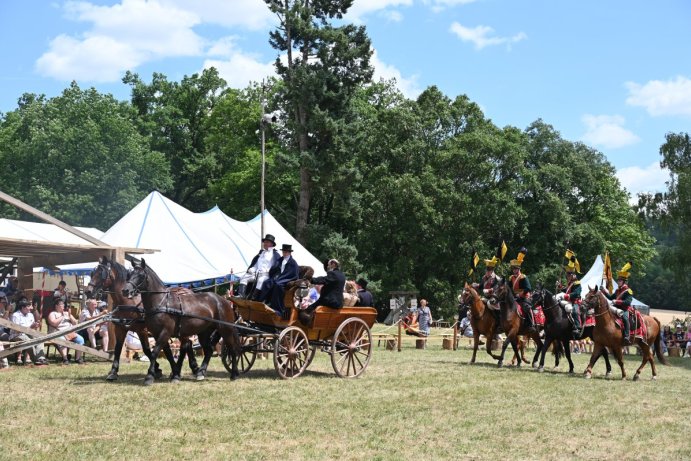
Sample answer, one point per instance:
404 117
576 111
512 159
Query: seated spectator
666 338
133 343
93 332
687 338
465 328
103 327
25 317
60 319
679 336
350 297
12 289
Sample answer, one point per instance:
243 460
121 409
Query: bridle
103 270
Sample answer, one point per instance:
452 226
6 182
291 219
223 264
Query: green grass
416 404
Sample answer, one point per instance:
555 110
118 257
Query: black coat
331 294
365 298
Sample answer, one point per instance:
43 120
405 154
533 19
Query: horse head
99 279
137 280
593 299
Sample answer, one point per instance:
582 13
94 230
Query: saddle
637 327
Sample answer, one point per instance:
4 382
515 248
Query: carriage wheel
313 350
291 352
352 348
247 356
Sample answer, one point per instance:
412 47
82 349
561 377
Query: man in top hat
570 297
364 297
521 287
287 271
258 271
621 300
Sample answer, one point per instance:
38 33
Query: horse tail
658 343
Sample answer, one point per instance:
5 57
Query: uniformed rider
621 300
570 297
521 287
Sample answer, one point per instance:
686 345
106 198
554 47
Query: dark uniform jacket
331 294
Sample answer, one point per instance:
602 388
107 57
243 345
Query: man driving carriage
266 263
288 270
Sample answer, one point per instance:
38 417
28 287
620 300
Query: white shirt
23 320
264 261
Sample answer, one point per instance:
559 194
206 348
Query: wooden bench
389 340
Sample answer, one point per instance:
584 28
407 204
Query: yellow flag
473 263
501 251
607 273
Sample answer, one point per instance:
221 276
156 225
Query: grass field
416 404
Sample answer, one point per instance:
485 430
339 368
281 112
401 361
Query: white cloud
607 131
240 69
249 14
363 8
481 37
440 5
121 37
648 179
672 97
408 85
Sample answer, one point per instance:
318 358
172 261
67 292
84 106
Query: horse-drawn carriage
342 333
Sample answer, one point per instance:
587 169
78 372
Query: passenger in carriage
331 294
286 272
262 264
621 300
570 296
365 298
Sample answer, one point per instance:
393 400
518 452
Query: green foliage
79 157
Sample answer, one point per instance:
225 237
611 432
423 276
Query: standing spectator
60 319
687 338
12 289
61 292
365 298
24 317
424 317
666 338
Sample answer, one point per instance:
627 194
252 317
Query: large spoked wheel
291 353
313 350
247 356
352 348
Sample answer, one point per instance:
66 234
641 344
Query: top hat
270 238
362 282
287 247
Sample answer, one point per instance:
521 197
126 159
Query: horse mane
155 278
120 271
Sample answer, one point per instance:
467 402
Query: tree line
402 191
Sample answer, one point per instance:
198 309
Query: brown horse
169 315
481 319
608 334
110 277
513 325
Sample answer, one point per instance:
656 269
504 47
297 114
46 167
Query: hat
362 282
624 272
519 259
678 325
102 304
287 247
270 238
491 262
23 302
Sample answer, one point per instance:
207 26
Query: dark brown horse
110 277
168 315
558 330
513 324
481 319
608 334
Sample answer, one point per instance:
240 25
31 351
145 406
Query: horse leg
619 355
149 379
516 352
503 351
605 355
205 341
146 349
597 350
232 340
538 347
651 359
476 344
567 352
548 341
120 334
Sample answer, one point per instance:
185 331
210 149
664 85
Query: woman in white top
60 319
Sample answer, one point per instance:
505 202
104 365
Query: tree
78 156
324 67
175 117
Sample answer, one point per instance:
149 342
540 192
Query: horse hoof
499 364
149 380
608 374
636 377
112 377
201 377
654 378
159 374
535 365
175 379
588 376
541 369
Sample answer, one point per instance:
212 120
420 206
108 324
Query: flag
473 262
501 251
607 273
568 254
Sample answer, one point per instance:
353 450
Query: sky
613 74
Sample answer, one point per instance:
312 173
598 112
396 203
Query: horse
608 334
110 277
482 320
513 325
558 328
170 315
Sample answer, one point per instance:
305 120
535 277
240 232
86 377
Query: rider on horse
570 296
621 299
521 287
489 283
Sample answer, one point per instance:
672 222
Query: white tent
594 277
197 248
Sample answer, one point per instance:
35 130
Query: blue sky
615 74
